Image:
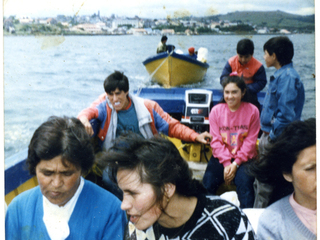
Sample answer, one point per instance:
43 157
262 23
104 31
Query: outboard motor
198 103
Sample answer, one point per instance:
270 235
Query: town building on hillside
121 22
86 28
284 31
25 20
167 32
51 21
137 31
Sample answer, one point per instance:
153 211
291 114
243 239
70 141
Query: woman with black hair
161 198
289 165
234 126
64 205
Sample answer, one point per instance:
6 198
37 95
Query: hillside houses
96 24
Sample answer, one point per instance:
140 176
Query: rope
151 75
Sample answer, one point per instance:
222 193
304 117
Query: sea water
61 75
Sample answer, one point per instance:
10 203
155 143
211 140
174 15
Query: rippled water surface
46 76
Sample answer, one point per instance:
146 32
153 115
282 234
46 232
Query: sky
150 8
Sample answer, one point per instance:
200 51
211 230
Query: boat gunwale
175 55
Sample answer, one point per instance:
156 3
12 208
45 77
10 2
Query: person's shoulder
275 210
250 106
219 106
233 59
97 193
215 202
27 197
256 61
227 212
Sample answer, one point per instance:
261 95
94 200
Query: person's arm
286 95
12 229
259 81
219 147
116 226
268 225
248 149
171 127
91 113
225 72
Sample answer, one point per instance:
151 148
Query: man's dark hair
164 38
245 46
61 136
282 47
116 80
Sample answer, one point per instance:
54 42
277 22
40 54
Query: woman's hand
229 173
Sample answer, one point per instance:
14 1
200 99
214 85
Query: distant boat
173 69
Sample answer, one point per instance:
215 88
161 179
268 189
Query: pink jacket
234 133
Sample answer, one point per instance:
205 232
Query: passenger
291 160
162 47
191 53
247 67
64 205
162 199
119 111
234 126
283 102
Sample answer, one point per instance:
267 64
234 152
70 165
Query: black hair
116 80
245 46
280 156
61 136
282 47
240 84
164 38
156 160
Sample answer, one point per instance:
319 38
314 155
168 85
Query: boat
190 106
171 69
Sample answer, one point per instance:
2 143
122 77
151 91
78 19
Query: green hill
271 19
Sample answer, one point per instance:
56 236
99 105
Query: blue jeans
213 178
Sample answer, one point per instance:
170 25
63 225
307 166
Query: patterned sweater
213 219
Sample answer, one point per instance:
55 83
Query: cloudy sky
150 8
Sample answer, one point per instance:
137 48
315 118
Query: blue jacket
96 215
283 102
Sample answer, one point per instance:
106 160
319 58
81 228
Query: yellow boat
173 69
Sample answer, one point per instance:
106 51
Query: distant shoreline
147 35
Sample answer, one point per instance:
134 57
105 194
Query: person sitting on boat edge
234 126
64 205
248 67
289 165
119 111
282 105
163 200
162 47
191 53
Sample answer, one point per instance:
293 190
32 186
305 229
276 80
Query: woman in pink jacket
234 125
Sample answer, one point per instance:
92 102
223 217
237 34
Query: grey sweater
280 222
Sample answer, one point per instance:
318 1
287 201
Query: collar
282 69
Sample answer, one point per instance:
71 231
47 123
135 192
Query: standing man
250 69
162 47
